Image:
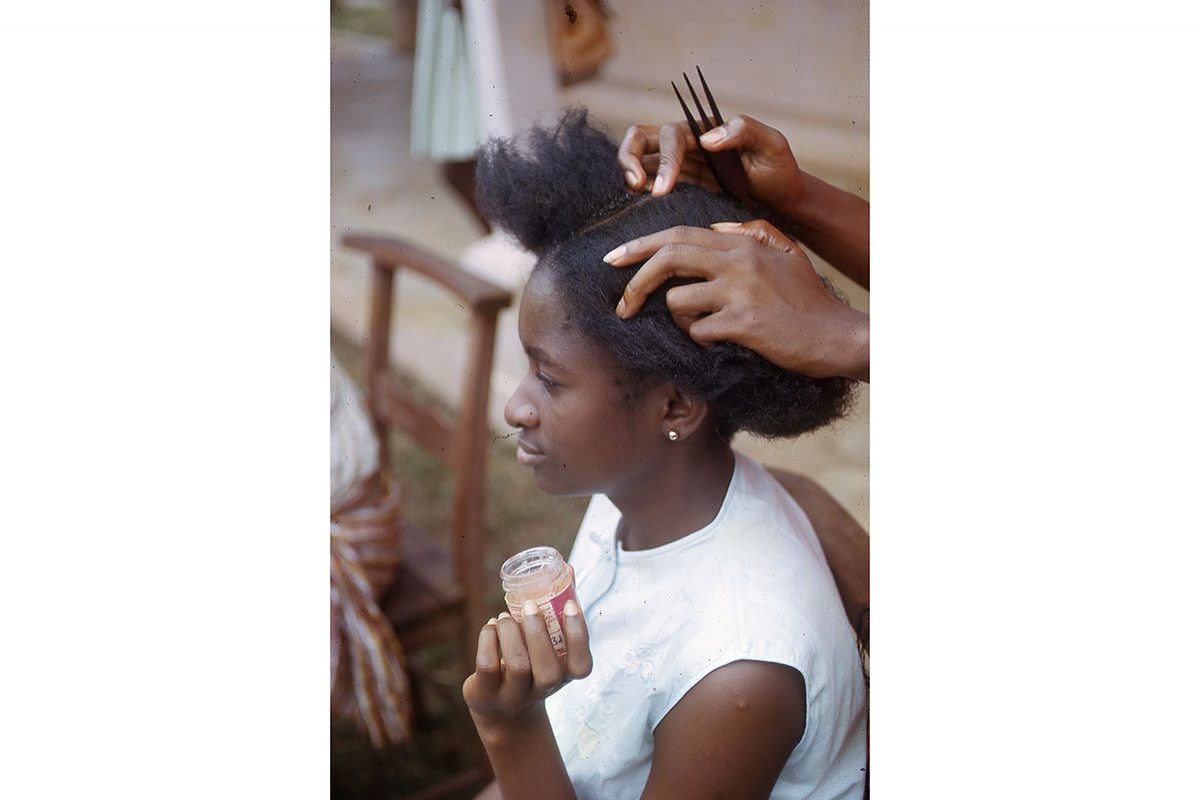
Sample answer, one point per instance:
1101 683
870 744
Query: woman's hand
516 667
671 153
833 223
759 290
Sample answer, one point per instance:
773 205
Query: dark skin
759 290
790 321
731 735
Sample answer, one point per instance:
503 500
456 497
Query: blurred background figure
484 70
481 73
445 116
368 682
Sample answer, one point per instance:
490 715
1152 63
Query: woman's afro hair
560 192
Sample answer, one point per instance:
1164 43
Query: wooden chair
439 591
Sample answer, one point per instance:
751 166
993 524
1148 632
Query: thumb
761 231
740 132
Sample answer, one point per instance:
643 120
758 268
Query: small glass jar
539 574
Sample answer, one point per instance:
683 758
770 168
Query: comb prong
708 126
712 104
725 165
687 113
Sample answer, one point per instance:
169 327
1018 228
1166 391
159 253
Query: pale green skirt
445 116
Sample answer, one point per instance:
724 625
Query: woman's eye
546 380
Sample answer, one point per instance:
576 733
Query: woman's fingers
547 672
694 170
722 326
487 660
762 232
691 302
639 140
671 261
517 672
739 132
775 177
746 134
673 143
670 143
516 664
642 248
680 252
579 653
655 159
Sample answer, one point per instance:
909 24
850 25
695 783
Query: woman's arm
525 758
730 735
836 225
516 669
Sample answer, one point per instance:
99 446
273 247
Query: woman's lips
527 455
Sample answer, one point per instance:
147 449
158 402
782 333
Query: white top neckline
694 538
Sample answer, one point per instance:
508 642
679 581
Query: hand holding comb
726 165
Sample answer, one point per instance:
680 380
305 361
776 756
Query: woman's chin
550 486
556 483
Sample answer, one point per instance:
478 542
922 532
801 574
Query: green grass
519 515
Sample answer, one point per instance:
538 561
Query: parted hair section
560 192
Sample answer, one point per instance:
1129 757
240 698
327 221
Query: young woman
711 656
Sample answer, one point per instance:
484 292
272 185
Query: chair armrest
393 254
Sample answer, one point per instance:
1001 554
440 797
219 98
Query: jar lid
530 567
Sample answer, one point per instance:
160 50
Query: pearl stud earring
673 435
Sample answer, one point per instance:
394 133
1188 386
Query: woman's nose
518 411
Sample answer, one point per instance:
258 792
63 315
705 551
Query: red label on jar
552 610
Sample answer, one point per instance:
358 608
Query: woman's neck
677 497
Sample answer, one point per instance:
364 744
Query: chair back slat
460 441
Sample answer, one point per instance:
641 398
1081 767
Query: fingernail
660 183
614 254
715 136
725 226
491 621
530 609
504 615
621 308
571 609
630 179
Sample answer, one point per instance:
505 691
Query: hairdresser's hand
759 290
671 153
516 667
833 223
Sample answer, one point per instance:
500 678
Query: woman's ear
683 414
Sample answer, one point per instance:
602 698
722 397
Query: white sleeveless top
751 585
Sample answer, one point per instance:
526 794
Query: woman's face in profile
577 431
